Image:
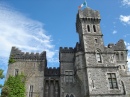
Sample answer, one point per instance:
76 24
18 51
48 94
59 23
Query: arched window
88 28
71 95
94 28
67 95
122 56
98 57
117 56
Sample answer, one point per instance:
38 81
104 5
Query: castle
90 69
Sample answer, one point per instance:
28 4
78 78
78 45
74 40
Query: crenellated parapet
119 46
49 71
67 50
18 54
87 15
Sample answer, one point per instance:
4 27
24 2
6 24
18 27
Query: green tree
14 87
1 76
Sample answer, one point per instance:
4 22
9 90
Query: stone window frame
120 67
69 76
69 95
31 88
16 72
122 56
88 28
94 28
113 88
124 67
96 40
112 58
117 56
99 56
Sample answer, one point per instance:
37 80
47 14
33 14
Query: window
112 80
94 28
117 56
71 95
95 40
92 83
16 72
67 95
119 66
68 76
98 57
123 66
122 56
31 91
88 28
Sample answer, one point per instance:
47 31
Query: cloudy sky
38 25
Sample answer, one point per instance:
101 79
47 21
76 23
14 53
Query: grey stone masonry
90 69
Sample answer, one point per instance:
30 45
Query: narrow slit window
122 56
117 56
98 57
95 40
93 83
124 66
67 95
94 28
88 27
120 66
31 91
16 72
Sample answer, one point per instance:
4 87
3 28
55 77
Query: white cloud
127 45
114 32
128 57
126 35
28 35
126 2
125 19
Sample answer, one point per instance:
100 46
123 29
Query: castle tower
99 67
32 66
90 69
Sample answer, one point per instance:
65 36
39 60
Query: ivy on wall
12 60
14 87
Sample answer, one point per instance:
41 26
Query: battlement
52 71
120 45
18 54
89 14
67 50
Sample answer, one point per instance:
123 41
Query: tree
14 87
1 76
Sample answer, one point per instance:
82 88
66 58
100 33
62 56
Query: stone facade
90 69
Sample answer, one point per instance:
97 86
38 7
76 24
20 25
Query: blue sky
38 25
